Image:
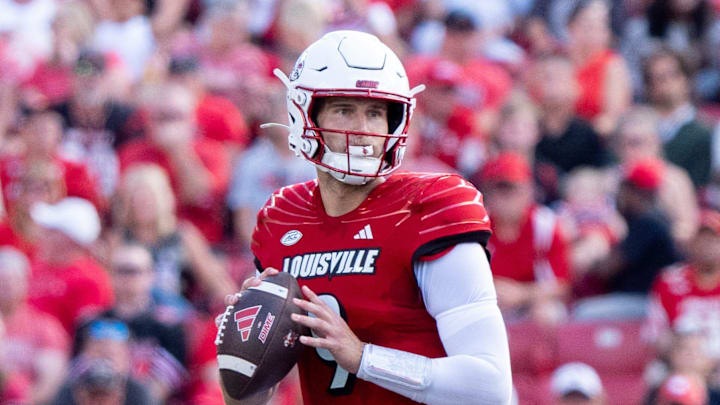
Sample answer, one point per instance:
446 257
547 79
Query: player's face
354 114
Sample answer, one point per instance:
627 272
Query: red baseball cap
681 389
444 73
646 174
508 167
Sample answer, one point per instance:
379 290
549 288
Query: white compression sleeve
458 292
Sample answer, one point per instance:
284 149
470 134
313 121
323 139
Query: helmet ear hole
395 116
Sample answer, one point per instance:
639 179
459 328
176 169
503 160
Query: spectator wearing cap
576 384
101 372
145 214
158 347
449 131
199 168
485 85
637 138
686 141
529 251
689 293
567 141
603 76
67 282
648 246
36 345
682 390
682 353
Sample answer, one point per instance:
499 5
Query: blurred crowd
132 167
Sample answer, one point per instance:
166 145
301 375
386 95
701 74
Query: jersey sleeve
449 211
259 237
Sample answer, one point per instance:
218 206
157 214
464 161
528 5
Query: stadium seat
532 348
611 347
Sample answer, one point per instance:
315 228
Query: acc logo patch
291 237
298 68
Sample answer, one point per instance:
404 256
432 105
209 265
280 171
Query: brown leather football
257 342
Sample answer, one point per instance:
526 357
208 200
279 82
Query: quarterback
392 265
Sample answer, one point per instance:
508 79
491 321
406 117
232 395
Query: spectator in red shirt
688 295
529 251
216 116
37 345
67 282
605 88
51 83
448 130
41 182
199 168
41 134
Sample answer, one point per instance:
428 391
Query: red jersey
539 253
71 293
591 78
361 263
677 300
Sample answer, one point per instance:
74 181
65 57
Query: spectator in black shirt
101 373
648 246
158 349
567 141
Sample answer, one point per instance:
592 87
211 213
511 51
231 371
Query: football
257 342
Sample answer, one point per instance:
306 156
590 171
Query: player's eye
376 113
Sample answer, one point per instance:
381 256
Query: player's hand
333 333
254 281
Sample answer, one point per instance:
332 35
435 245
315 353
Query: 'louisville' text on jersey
332 263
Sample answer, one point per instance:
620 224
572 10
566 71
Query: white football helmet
349 64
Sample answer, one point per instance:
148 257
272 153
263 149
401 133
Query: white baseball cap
576 377
75 217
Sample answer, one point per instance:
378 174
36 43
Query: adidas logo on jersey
331 264
365 233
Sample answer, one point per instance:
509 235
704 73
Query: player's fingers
316 324
269 272
250 282
231 299
312 297
314 342
308 306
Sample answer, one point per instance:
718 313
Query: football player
397 283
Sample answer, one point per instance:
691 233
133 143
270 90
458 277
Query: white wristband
394 367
